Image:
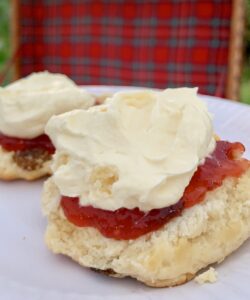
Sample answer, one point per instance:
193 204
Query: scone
25 107
141 188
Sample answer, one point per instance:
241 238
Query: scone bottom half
211 223
27 159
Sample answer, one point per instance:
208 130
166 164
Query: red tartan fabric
141 43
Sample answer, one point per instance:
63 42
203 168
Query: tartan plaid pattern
141 43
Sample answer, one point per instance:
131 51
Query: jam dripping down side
125 224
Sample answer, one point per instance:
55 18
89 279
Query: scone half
27 164
141 188
25 107
172 255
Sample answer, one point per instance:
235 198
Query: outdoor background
5 48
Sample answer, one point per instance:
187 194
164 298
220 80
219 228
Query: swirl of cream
27 104
140 149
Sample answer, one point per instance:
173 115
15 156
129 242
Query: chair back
140 43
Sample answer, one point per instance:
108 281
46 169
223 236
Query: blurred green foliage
4 36
5 47
245 85
247 33
245 81
4 32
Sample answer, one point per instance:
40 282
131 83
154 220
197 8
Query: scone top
140 149
27 104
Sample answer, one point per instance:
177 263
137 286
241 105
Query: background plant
245 82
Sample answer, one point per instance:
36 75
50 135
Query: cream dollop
27 104
140 149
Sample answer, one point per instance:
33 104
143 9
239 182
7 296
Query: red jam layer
125 224
19 144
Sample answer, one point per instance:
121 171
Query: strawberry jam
19 144
125 224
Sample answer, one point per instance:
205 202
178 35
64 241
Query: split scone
141 188
25 107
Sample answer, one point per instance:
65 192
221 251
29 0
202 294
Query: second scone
25 107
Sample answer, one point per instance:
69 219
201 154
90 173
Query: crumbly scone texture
9 170
209 276
204 234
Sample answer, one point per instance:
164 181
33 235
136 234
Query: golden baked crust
9 169
172 255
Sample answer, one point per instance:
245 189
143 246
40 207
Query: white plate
29 271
